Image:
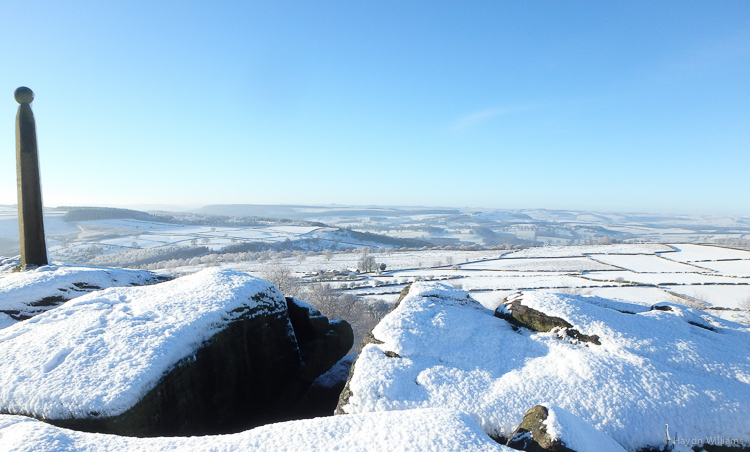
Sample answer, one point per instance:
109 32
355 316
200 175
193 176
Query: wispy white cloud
473 119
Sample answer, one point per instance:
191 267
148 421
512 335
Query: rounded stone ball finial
24 95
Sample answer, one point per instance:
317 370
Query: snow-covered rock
321 340
408 431
553 429
28 293
213 351
674 365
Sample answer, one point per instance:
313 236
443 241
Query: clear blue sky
613 106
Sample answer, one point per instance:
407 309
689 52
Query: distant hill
108 213
298 212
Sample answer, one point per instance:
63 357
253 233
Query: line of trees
145 256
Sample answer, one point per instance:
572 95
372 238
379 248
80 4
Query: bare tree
282 277
337 304
331 302
366 262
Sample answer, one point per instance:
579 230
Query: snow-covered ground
739 268
584 250
642 263
72 241
26 294
147 234
686 252
407 431
679 366
541 264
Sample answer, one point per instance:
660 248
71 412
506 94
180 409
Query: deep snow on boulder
673 365
101 351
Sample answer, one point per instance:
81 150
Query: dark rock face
253 372
321 342
523 316
323 396
532 435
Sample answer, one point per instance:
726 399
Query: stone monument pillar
30 218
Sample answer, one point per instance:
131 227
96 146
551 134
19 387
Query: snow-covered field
641 263
146 234
578 250
687 252
635 273
716 276
72 241
739 268
541 264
